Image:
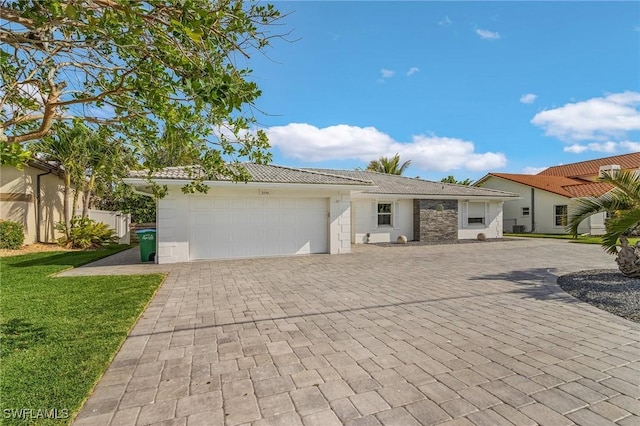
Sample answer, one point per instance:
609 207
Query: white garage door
222 228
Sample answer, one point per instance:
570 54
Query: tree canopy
144 68
452 179
390 166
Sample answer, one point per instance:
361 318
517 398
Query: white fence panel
117 221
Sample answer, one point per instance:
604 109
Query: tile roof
381 183
259 173
565 186
401 185
592 167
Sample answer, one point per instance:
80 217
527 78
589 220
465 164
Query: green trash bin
147 240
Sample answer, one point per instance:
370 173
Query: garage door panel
200 203
221 203
246 227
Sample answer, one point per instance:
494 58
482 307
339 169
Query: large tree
140 66
387 165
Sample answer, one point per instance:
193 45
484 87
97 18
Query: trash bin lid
144 231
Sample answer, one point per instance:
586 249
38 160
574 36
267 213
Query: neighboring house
34 197
546 197
285 211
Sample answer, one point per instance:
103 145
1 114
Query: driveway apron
460 334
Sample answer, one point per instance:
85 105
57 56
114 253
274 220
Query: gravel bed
606 289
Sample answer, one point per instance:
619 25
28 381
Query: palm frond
582 208
626 183
618 227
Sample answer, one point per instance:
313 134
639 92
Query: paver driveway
454 334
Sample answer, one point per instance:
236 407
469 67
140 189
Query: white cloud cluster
487 35
529 98
599 119
609 147
341 142
385 73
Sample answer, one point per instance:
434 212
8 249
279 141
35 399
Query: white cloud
529 170
341 142
529 98
630 146
445 22
607 147
413 70
598 119
385 73
487 35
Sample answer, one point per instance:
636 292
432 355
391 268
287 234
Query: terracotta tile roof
591 189
592 167
560 185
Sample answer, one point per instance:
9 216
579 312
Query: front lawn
58 335
583 239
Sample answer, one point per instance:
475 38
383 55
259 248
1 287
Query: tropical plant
390 166
85 233
622 202
120 197
452 179
11 235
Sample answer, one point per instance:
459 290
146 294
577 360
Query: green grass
58 335
582 239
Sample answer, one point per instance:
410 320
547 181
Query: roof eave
251 184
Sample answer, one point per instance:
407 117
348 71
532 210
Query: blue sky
459 88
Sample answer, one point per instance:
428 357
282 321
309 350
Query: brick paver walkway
468 334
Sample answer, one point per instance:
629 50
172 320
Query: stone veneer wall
431 225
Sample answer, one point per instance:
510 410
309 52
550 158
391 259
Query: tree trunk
66 207
87 196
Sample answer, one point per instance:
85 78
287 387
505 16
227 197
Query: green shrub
11 235
86 233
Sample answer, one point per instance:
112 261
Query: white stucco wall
492 228
544 204
366 229
173 218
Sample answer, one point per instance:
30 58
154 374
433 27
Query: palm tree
622 202
67 148
389 166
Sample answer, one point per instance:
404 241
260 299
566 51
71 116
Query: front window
384 214
476 214
560 215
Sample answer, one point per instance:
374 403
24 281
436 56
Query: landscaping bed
606 289
58 335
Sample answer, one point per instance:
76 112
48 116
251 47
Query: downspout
533 210
38 197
